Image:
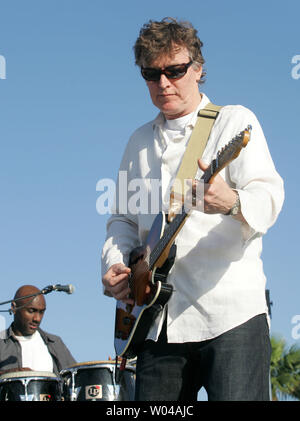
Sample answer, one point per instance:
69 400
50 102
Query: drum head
88 364
29 373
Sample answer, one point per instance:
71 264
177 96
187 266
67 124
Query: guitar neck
173 228
211 172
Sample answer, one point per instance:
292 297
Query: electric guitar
151 263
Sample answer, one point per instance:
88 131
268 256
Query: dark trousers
231 367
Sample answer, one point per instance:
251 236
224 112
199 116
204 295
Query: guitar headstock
228 153
232 150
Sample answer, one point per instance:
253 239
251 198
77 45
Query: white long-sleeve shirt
218 274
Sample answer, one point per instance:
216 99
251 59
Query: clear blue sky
72 96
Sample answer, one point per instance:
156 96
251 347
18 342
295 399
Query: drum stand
119 371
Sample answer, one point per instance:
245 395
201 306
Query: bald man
24 346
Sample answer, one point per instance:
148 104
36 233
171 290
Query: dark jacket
11 354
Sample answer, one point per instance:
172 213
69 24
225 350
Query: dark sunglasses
171 72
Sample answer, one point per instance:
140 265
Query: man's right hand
115 282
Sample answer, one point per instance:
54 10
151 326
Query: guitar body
150 291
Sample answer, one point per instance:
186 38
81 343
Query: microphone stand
44 291
21 298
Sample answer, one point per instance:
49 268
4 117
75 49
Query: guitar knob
126 321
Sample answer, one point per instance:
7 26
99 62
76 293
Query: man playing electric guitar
213 331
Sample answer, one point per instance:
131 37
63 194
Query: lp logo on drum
93 392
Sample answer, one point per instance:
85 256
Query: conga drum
98 381
30 386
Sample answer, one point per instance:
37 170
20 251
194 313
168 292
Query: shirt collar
8 333
160 118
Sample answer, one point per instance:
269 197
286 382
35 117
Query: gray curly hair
158 38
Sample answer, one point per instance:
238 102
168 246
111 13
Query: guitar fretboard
169 232
173 226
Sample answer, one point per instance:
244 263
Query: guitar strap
194 150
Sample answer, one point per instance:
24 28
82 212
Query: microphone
69 289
